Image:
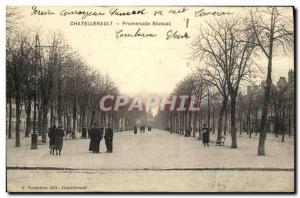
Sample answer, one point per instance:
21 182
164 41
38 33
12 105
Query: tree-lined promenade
54 85
45 74
226 51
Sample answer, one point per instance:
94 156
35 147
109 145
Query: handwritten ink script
134 22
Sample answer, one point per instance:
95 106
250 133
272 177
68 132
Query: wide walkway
155 150
152 162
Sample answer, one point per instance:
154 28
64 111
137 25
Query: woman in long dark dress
135 130
59 139
205 135
51 135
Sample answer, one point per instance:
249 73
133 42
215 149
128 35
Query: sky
138 66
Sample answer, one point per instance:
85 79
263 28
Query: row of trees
56 80
45 75
281 110
225 51
249 109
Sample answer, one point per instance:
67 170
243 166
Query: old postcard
150 99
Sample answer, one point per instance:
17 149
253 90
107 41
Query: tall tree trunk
40 115
208 111
232 122
59 106
195 123
10 117
249 124
74 117
190 122
51 112
44 124
184 122
83 119
28 118
256 122
177 122
276 121
249 119
289 123
92 118
213 120
225 120
69 122
180 122
170 124
283 125
18 120
200 126
262 136
241 124
65 122
221 115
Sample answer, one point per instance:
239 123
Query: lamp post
34 135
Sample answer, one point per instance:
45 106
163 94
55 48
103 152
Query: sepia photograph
150 99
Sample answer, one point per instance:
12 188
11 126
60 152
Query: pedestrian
59 139
96 137
135 130
84 133
51 135
205 135
99 137
143 128
108 137
89 136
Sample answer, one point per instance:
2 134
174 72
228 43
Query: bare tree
18 61
213 75
272 29
228 45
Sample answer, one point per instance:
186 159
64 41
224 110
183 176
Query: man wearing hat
96 137
205 135
108 137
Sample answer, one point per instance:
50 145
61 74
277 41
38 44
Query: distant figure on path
142 129
135 130
59 139
108 137
205 135
51 135
84 133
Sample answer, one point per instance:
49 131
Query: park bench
221 142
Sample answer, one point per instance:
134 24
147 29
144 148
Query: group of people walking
56 137
142 129
96 135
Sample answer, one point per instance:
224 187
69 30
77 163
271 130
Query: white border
3 3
